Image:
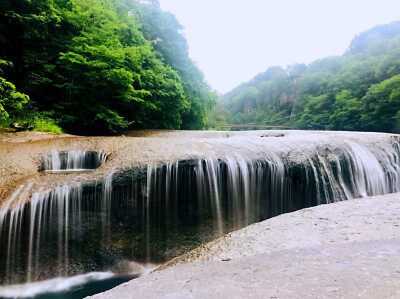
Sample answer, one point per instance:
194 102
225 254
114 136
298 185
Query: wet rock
22 127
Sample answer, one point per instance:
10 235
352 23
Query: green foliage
98 66
218 116
43 123
316 111
381 106
357 91
346 112
11 101
164 32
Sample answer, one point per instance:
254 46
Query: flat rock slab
357 220
367 269
344 250
21 154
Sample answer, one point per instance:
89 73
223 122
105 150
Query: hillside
359 90
94 67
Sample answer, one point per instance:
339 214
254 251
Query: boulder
22 127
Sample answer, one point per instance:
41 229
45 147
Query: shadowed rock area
348 249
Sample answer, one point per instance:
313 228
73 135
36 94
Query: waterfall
175 206
40 232
73 160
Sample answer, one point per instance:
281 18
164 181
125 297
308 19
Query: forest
101 66
358 91
97 66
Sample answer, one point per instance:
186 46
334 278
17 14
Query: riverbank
347 249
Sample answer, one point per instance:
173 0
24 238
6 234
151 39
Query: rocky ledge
21 154
343 250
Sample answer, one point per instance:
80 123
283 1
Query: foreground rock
342 250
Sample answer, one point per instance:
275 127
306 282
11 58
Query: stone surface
21 154
348 249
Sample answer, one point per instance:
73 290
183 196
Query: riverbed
74 206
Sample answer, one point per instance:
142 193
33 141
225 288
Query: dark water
73 290
87 289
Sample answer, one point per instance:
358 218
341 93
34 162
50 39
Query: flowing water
74 287
73 160
172 207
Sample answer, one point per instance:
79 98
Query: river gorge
112 208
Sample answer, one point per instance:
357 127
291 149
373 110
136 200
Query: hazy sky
233 40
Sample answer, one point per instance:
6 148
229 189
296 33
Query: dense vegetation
357 91
96 66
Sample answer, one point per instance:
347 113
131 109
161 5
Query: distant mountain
357 91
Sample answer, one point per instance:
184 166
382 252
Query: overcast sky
233 40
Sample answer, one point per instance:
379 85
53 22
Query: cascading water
73 160
172 207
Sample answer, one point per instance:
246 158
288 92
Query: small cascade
106 206
73 160
41 231
157 213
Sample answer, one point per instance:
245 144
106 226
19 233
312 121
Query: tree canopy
356 91
10 98
101 65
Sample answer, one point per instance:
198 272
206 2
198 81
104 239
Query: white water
63 284
232 191
77 160
54 285
352 171
50 209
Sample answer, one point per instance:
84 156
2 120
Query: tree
381 106
165 33
315 111
95 66
356 91
346 112
10 98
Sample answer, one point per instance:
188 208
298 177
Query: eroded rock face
20 161
158 196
